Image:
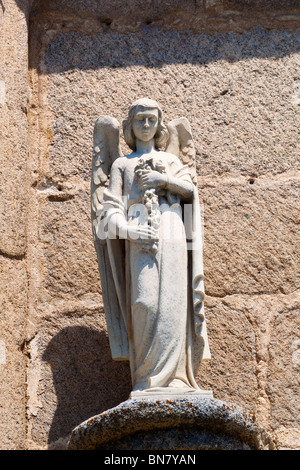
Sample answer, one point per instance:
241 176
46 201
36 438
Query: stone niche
232 68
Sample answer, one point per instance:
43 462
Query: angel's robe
156 289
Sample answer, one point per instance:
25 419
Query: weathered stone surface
242 107
232 367
13 190
69 258
242 92
250 235
270 345
239 93
288 438
214 15
284 365
13 128
13 295
171 425
76 376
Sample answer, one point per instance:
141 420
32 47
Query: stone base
189 423
164 393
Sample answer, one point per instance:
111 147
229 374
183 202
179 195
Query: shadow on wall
76 46
150 47
86 380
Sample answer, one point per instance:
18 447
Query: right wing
106 143
181 144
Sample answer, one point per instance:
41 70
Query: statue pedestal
164 393
187 423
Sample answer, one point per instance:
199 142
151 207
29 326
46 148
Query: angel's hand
140 233
152 179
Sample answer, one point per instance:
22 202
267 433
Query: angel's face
145 123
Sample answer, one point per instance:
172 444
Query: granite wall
233 68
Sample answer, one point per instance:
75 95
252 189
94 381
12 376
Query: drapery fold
156 303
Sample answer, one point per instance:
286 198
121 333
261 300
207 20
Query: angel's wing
181 144
106 141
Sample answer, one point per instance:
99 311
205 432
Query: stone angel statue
147 235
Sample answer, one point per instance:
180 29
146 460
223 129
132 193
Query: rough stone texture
13 125
276 361
233 362
210 15
69 385
238 83
12 360
285 360
13 189
69 258
238 93
238 90
182 424
254 223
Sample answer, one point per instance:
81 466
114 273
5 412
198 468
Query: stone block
240 103
69 268
13 208
250 235
233 350
261 362
13 297
13 129
284 364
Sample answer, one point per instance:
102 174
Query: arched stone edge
136 416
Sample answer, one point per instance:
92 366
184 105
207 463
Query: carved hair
162 133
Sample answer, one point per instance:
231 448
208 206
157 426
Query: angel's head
144 122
